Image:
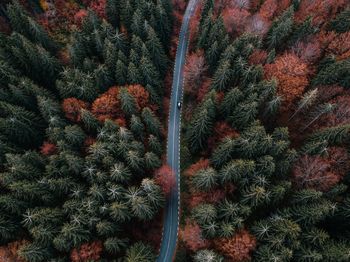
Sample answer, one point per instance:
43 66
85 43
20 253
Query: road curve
172 208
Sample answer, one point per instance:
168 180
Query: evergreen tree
151 122
280 30
22 23
140 252
222 76
75 83
128 103
341 23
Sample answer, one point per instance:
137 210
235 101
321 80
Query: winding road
172 208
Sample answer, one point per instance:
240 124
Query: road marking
178 68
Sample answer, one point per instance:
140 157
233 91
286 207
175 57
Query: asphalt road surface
172 208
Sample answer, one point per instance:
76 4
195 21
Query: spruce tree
280 29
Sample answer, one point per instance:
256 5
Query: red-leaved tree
165 178
194 168
238 248
72 108
140 94
321 11
314 172
235 20
192 236
87 252
292 75
195 69
48 148
107 105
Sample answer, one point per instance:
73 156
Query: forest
85 88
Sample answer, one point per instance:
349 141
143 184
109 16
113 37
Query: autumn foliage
107 105
221 130
191 235
194 168
87 252
321 10
8 253
237 248
292 75
165 178
321 173
140 94
72 108
48 148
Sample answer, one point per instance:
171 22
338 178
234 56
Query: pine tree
134 74
204 213
237 171
75 83
121 73
112 12
201 125
205 179
341 23
151 122
22 23
222 76
115 245
280 29
137 127
90 122
206 255
156 51
33 60
35 253
20 126
140 252
127 101
333 73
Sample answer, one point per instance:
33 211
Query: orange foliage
339 116
194 24
165 178
292 75
191 235
48 148
79 17
308 52
340 44
214 196
99 7
194 168
237 248
194 72
72 107
235 20
268 9
321 173
322 11
121 122
271 9
8 253
89 141
326 93
107 105
221 131
258 25
87 252
140 94
203 90
258 57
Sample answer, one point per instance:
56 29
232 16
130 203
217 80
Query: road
172 208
